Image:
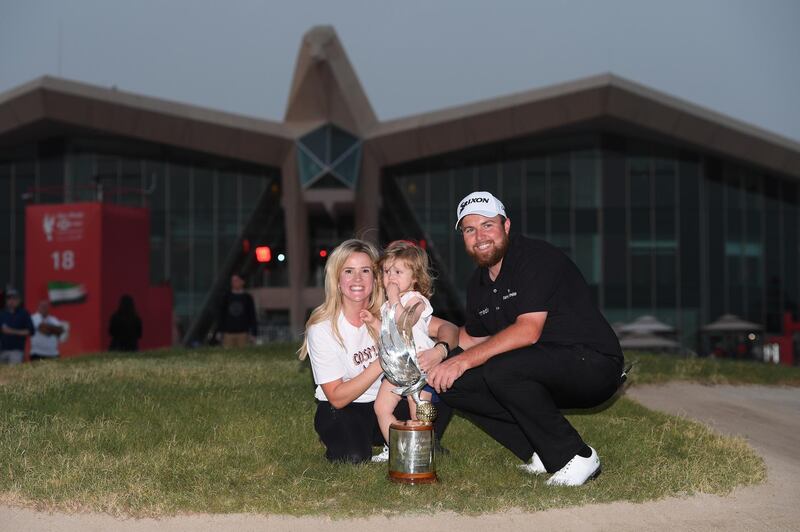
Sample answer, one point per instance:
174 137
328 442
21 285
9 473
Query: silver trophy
411 443
398 358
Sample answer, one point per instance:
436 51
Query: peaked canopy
731 323
646 324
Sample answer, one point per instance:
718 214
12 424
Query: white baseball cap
483 203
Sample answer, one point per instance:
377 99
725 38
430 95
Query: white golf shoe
383 456
534 466
577 471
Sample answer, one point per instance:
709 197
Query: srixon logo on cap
472 200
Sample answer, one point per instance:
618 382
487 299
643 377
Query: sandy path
768 417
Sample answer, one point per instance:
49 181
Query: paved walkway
768 417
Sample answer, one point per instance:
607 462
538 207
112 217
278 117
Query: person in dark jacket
125 327
15 328
237 316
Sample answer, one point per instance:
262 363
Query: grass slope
212 431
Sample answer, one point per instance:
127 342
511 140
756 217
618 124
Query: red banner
83 257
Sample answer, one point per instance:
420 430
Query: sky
740 58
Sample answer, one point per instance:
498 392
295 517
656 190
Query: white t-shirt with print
420 329
331 361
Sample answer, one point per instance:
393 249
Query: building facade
667 208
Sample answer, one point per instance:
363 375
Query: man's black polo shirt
534 277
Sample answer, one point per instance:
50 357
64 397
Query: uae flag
61 292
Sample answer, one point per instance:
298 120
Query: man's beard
497 254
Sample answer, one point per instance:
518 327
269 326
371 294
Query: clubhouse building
668 209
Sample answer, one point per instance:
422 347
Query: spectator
125 327
15 327
49 331
237 316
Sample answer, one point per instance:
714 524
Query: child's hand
367 317
430 358
371 321
393 293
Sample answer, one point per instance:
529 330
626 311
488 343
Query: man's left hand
442 377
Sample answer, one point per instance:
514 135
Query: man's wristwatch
446 347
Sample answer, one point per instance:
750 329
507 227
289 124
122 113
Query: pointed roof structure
731 323
647 324
325 87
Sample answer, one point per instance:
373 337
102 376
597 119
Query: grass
222 432
654 369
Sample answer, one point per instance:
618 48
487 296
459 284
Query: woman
344 353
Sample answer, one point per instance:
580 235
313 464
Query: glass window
513 194
415 188
24 192
329 157
308 167
440 224
203 229
560 182
689 222
317 143
587 185
461 267
130 182
641 278
341 142
253 187
734 244
587 257
81 176
6 222
791 237
228 223
536 197
180 217
51 180
347 167
615 237
715 242
487 179
155 184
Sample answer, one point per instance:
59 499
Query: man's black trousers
517 397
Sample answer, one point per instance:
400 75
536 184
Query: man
533 343
44 342
237 317
15 327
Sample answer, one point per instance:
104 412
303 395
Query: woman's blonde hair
332 306
417 260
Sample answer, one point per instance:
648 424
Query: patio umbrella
646 324
617 327
647 341
731 323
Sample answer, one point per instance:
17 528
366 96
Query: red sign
83 257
